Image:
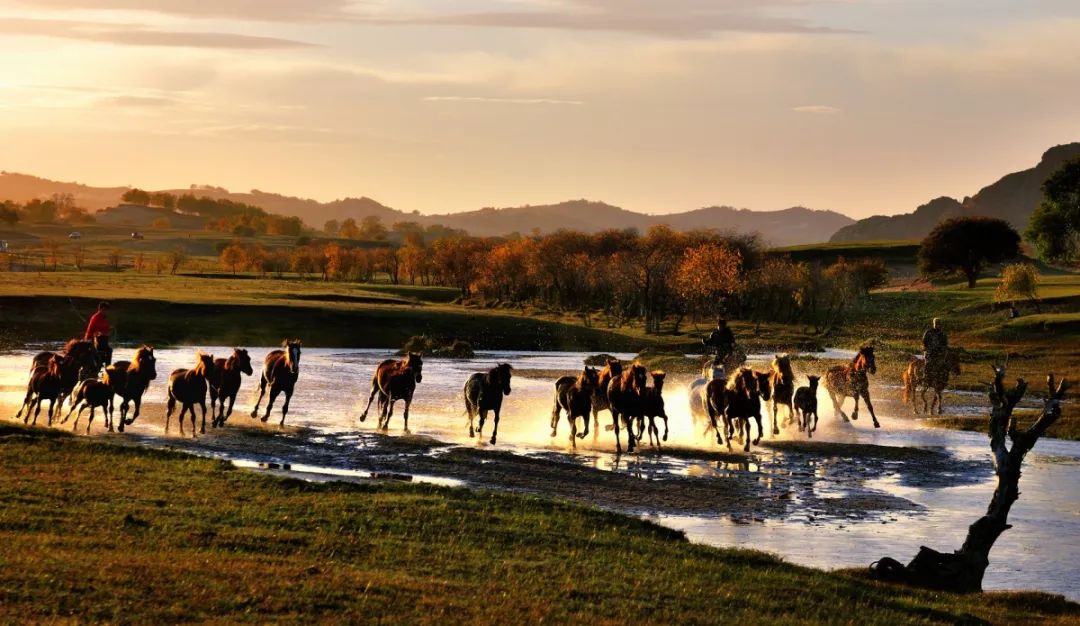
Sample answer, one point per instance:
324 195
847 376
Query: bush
598 360
1018 281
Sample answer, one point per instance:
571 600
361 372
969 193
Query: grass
100 532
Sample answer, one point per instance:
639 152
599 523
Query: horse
93 394
393 381
45 383
575 396
699 409
281 368
742 400
625 395
653 404
806 405
782 380
79 360
851 380
129 380
920 374
188 387
612 369
225 384
483 393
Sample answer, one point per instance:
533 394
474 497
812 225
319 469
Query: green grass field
101 532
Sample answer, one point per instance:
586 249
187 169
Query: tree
136 196
176 258
870 273
164 200
40 211
371 227
52 252
78 256
9 213
114 258
1054 228
1019 280
138 262
707 275
349 229
232 257
965 245
332 227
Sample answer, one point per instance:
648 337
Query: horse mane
781 367
136 361
658 380
631 378
54 366
738 378
583 379
200 363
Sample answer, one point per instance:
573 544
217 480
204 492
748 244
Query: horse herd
728 405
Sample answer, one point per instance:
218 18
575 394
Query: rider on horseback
935 343
97 330
722 340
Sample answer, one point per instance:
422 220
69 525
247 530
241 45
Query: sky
861 106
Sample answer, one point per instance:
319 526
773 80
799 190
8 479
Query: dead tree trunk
962 571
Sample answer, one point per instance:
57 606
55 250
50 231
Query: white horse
696 392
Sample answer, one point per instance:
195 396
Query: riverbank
98 531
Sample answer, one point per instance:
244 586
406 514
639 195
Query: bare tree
962 571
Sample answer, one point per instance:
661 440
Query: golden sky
862 106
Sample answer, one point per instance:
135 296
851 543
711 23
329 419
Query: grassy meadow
114 533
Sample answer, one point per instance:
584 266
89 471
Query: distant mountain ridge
1012 198
792 226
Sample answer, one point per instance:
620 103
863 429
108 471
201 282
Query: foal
225 384
625 396
653 405
483 393
129 380
46 383
806 405
782 380
575 396
93 394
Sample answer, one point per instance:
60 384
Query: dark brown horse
483 393
612 369
852 380
281 368
393 381
806 405
188 387
79 360
625 399
129 380
922 376
91 394
782 380
45 383
742 397
654 407
575 396
225 384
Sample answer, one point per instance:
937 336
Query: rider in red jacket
98 325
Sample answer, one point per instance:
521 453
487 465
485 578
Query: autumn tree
707 276
371 227
232 257
114 258
78 256
9 213
332 227
349 229
1018 281
964 245
138 262
176 258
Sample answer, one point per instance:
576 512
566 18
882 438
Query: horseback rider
935 343
722 340
98 330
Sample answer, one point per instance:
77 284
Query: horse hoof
266 419
776 432
876 425
492 441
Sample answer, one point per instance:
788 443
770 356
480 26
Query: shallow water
1040 552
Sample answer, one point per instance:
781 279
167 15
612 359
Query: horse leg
213 408
68 416
123 406
78 416
838 406
495 431
169 407
93 409
180 418
760 430
855 413
262 390
483 418
629 433
555 415
274 391
615 427
775 428
745 427
37 410
232 400
26 402
405 413
870 407
573 427
665 426
371 396
202 427
285 407
138 408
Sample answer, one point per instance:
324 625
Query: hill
792 226
1012 198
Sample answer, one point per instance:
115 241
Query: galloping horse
653 407
575 396
45 383
806 405
93 394
281 368
483 393
699 408
225 383
79 360
188 387
844 381
625 397
393 381
782 380
613 369
921 375
129 380
737 400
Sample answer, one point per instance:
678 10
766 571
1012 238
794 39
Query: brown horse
654 407
806 405
281 369
393 381
852 380
483 393
79 360
129 380
782 380
612 369
188 387
575 396
922 376
225 384
625 399
46 383
743 394
91 394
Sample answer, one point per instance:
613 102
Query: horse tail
909 385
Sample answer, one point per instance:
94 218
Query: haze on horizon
862 106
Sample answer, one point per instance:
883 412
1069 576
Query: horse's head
813 382
658 380
82 353
866 355
204 363
55 362
504 371
781 364
243 360
615 367
589 379
292 355
639 377
146 362
764 385
415 362
744 382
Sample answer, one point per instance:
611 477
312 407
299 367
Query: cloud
817 109
267 10
138 35
136 101
484 100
